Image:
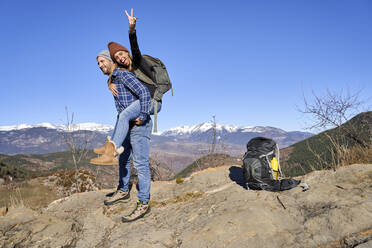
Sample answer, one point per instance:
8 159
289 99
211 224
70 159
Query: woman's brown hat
115 47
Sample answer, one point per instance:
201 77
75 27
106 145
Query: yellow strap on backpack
275 166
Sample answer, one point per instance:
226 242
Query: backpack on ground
163 83
261 166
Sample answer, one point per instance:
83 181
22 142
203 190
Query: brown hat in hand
115 47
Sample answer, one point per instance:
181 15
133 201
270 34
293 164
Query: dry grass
179 180
16 199
186 197
356 155
342 154
32 194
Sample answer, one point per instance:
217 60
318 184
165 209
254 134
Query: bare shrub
214 135
69 182
211 144
335 110
77 141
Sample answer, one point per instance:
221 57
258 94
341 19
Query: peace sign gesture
132 20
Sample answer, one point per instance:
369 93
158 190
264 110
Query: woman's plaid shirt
130 89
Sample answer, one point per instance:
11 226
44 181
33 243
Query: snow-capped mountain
88 126
47 138
182 130
207 126
238 135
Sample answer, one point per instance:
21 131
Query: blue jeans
137 144
122 123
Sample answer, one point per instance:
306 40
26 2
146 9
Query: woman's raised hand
132 20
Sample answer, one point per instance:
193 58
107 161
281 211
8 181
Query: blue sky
247 62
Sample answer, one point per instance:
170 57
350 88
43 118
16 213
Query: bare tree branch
334 110
76 141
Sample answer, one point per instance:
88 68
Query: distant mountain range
177 147
47 138
237 135
89 126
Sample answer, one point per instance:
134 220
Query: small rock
193 217
3 211
212 209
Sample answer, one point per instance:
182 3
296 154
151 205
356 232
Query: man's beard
107 72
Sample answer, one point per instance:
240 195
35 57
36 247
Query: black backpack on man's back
261 167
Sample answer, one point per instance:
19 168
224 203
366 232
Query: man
104 62
136 144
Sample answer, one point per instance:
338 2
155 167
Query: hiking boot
101 150
118 196
110 155
111 194
141 210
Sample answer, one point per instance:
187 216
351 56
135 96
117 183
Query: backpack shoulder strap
155 103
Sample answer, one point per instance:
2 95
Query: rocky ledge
209 209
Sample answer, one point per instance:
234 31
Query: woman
138 65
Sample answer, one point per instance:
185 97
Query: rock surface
209 209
